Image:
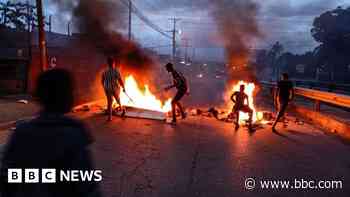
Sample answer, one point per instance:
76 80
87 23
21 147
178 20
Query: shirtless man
181 85
241 101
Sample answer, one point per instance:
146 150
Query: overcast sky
288 21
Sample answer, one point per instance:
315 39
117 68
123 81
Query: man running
111 80
180 84
284 94
241 101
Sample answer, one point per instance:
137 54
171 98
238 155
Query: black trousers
282 107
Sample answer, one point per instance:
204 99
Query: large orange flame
249 90
142 99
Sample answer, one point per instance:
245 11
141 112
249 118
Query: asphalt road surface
207 158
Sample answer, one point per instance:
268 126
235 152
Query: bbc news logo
52 176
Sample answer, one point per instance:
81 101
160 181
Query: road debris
299 122
23 101
133 112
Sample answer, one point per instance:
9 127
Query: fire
249 90
142 99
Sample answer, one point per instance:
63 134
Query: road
207 158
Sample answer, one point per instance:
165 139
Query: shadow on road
294 132
285 136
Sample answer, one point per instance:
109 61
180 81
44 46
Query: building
20 62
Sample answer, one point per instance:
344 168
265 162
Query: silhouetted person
241 101
180 84
111 80
50 141
284 94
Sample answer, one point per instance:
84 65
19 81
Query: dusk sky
288 21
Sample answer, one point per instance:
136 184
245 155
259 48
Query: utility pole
174 31
42 40
50 23
130 20
29 43
68 28
187 45
193 54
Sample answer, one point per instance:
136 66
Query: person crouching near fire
111 80
180 83
241 101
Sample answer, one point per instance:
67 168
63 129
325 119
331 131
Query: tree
332 30
18 15
332 27
273 56
4 8
291 62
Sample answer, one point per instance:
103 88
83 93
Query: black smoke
238 28
101 22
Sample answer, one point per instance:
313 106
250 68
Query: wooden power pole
174 31
42 40
130 20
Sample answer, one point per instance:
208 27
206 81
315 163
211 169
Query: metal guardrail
340 100
322 85
327 97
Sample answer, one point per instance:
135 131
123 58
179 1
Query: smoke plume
238 29
99 21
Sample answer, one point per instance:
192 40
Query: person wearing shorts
180 84
241 105
111 81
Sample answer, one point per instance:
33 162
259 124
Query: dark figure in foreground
180 84
284 94
241 101
111 80
50 141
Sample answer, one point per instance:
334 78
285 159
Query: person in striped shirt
111 81
180 83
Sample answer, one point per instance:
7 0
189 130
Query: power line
160 46
130 19
143 18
